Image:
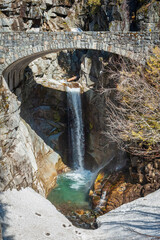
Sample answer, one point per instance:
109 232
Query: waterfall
76 126
102 200
73 186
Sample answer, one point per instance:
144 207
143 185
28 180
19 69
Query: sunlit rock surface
48 15
136 220
27 215
43 15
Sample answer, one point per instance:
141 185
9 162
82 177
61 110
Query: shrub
94 4
134 115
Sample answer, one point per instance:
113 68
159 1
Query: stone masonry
18 49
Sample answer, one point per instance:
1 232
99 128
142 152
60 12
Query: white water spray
102 200
76 126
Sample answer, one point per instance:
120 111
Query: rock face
57 66
48 162
98 148
44 107
99 151
43 15
137 179
125 15
23 218
148 16
51 105
12 154
48 15
25 159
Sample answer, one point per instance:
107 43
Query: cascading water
71 196
102 200
72 188
76 126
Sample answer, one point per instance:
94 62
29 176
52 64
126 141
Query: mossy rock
56 116
90 126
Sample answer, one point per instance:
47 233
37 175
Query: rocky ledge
27 215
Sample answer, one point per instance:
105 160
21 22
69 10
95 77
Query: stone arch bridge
18 49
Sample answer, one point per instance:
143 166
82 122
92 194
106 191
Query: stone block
2 60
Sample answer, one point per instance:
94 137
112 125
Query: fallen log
72 79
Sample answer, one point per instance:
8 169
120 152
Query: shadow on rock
3 222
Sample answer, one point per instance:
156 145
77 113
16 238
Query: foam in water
79 178
72 189
101 202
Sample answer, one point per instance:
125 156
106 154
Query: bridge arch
20 48
14 79
9 79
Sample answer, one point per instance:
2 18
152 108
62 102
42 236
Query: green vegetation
90 126
4 103
144 6
56 116
94 4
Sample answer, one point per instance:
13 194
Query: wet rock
80 212
141 178
86 220
98 191
95 200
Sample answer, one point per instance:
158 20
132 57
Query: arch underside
18 49
13 73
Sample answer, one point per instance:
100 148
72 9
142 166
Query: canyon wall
25 159
28 150
48 15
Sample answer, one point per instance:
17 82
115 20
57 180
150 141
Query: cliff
31 150
48 15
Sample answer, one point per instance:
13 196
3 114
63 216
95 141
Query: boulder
62 11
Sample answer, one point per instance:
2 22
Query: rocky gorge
34 145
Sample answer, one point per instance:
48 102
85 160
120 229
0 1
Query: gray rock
25 155
51 14
49 2
67 3
60 10
20 210
148 17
